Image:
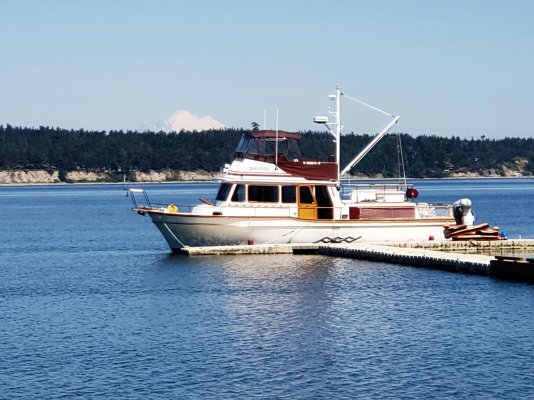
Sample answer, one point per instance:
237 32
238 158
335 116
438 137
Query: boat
271 194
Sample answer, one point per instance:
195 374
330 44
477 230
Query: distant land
54 155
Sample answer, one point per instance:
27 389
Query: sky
448 68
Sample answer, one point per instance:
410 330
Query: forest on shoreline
124 152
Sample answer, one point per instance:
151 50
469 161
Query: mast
337 127
334 127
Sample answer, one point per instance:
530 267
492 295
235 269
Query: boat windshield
262 144
224 191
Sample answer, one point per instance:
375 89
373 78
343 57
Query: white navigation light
320 119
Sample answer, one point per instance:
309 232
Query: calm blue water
94 306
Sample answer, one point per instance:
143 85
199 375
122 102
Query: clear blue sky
461 68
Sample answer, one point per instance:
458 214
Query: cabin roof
272 134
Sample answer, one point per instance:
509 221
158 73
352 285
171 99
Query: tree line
125 151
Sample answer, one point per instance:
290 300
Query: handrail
380 188
378 184
424 210
132 192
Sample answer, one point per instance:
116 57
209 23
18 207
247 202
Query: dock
489 247
477 264
291 248
517 268
490 258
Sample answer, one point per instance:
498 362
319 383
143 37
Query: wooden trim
325 221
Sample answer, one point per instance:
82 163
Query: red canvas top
272 134
320 171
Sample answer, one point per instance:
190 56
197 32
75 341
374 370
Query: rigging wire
398 158
401 157
363 103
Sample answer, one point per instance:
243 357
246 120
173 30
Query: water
507 203
95 306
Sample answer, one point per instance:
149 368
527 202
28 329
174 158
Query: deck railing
348 188
322 213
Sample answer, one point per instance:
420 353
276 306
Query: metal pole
338 130
276 142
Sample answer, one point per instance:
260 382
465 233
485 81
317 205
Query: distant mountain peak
187 121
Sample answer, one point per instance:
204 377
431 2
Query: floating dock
518 268
495 258
489 247
418 257
251 249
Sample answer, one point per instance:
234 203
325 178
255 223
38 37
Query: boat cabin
307 201
312 201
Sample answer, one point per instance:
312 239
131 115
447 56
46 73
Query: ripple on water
96 308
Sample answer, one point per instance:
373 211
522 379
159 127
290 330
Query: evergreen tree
118 151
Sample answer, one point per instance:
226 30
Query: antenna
264 118
276 141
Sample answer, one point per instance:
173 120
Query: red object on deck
412 193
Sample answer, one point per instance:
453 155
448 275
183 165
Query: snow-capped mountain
185 120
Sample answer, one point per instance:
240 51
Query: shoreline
101 183
192 181
54 177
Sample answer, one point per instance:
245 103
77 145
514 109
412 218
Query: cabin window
305 195
224 191
239 193
264 194
289 194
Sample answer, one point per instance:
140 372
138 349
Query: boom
372 144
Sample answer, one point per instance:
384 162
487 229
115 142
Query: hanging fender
412 193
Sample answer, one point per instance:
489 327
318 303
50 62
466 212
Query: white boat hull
181 230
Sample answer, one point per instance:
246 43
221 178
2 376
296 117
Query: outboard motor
461 210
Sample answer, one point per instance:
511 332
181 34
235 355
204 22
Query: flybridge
282 148
269 146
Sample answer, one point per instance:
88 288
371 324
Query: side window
224 191
264 194
239 193
289 194
305 195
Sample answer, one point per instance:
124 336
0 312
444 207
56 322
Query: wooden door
307 203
